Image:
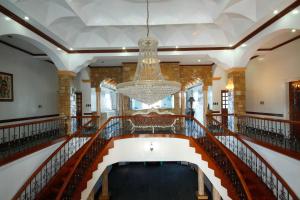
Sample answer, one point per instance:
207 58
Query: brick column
201 192
215 194
182 102
237 86
65 82
105 194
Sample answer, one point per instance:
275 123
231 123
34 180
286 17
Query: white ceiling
86 24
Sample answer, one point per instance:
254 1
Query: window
224 99
166 103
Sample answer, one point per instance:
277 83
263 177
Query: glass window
166 103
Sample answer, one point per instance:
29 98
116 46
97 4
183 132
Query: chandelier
148 85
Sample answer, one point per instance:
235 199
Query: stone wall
171 71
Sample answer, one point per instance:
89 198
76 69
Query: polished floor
153 181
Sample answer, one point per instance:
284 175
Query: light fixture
58 49
230 45
176 47
296 85
293 30
148 85
124 48
199 60
7 18
26 18
295 12
71 49
230 85
244 45
275 12
261 58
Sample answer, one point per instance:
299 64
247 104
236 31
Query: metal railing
42 175
281 190
118 126
20 137
279 133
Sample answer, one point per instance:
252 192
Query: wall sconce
230 85
296 85
151 147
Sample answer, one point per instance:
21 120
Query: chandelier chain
147 22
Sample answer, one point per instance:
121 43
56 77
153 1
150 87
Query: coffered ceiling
102 24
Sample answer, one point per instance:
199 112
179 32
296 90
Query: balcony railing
17 138
53 164
276 132
251 158
118 126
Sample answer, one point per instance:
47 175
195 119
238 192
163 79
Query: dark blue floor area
152 181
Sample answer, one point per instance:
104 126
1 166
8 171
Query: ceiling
103 24
18 42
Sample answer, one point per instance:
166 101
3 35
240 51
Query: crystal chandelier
148 85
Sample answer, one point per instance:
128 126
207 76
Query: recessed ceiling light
26 18
244 45
275 12
295 12
230 45
293 30
124 48
71 49
7 18
199 60
59 49
261 58
176 47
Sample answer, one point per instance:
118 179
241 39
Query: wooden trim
280 45
200 65
20 49
217 78
267 114
86 81
27 118
285 11
292 154
24 23
236 69
253 57
67 73
30 151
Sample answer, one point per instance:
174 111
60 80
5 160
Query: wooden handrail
90 142
220 145
284 183
31 123
18 194
260 118
225 151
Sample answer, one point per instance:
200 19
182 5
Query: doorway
294 106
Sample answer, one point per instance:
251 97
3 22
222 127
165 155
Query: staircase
236 176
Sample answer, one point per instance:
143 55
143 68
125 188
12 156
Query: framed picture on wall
6 87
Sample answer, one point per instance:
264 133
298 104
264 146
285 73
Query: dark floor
152 181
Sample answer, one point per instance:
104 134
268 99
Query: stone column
65 82
201 191
236 83
237 94
105 194
215 194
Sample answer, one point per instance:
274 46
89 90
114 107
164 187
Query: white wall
165 149
217 86
35 83
13 175
85 88
280 162
266 80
